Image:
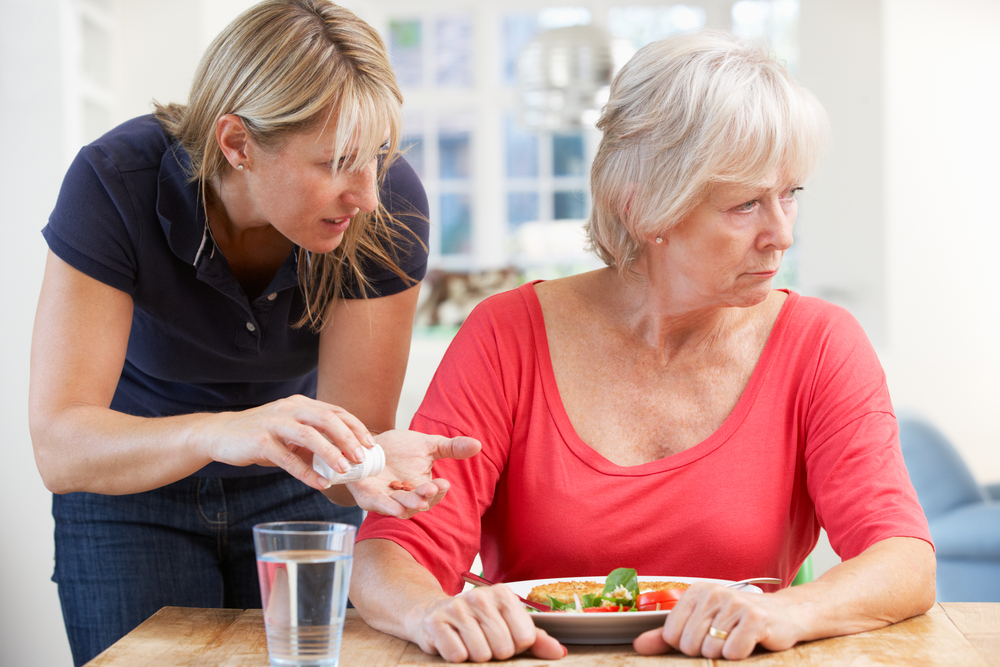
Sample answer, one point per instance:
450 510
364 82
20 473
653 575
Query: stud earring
659 240
239 167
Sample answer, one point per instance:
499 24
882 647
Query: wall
35 156
941 141
32 139
900 225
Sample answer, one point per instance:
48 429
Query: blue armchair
964 517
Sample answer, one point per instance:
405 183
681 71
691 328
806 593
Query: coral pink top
812 442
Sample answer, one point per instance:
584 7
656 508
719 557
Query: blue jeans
119 559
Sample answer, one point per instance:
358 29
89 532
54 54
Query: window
500 191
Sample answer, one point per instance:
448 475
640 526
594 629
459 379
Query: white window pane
750 18
642 24
571 205
453 51
563 17
455 217
521 207
406 51
775 22
518 29
412 148
521 147
567 155
454 151
412 142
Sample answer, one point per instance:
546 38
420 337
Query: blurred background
900 224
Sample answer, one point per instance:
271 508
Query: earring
239 167
659 240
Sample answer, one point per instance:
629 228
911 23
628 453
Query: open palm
410 458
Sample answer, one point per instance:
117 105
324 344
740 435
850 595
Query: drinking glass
305 570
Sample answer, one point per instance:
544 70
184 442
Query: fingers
459 447
651 642
338 434
547 647
485 624
712 622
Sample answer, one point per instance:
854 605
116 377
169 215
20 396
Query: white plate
606 628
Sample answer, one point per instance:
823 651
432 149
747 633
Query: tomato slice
658 600
593 609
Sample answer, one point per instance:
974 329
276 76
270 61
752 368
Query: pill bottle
372 465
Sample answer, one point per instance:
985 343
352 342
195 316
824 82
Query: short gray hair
685 113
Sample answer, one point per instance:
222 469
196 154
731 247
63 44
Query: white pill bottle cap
373 464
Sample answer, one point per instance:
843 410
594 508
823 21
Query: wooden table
951 634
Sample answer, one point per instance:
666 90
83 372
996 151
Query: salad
621 594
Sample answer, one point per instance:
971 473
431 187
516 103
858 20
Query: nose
360 191
779 218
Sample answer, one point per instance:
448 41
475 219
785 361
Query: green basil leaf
558 605
625 577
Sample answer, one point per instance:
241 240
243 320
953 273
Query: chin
325 246
752 297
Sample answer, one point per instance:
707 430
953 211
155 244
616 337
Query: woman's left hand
740 620
409 457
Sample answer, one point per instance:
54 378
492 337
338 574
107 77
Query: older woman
671 412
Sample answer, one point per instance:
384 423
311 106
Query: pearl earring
659 240
239 167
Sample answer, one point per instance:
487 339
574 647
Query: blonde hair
685 113
288 66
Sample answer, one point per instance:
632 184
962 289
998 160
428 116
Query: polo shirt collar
178 206
185 225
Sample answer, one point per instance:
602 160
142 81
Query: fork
476 580
755 580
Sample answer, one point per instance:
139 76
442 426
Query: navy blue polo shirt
127 216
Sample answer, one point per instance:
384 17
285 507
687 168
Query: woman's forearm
96 449
89 448
389 588
889 582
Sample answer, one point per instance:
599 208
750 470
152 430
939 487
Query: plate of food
612 609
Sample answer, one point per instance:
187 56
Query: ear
232 138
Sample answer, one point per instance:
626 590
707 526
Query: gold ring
718 634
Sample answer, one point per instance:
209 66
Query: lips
338 225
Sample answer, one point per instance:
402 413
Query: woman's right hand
481 624
287 434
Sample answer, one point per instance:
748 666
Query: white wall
31 137
32 162
941 141
901 224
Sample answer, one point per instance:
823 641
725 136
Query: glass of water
305 570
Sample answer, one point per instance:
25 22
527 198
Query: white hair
685 113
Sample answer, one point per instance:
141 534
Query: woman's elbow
48 460
928 588
922 588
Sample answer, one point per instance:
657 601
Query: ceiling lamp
564 76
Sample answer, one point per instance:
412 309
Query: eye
746 207
790 194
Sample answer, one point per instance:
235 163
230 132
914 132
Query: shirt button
251 327
272 297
